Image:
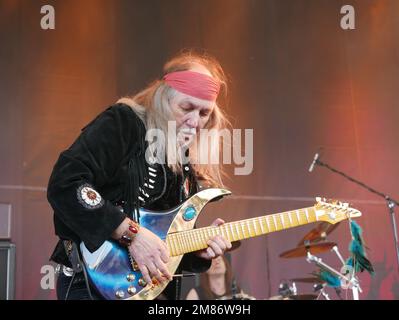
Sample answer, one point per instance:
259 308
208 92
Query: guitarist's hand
151 255
217 244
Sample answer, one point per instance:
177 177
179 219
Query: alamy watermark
207 146
348 18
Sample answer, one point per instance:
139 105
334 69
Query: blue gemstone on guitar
189 213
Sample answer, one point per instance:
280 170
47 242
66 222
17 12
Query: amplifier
5 221
7 270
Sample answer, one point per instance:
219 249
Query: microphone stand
390 202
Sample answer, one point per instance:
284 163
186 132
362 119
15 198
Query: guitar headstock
334 211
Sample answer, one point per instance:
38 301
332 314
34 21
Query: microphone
316 157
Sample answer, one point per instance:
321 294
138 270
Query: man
112 167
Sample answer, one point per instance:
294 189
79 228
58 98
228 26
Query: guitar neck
196 239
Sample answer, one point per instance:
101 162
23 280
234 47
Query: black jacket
108 157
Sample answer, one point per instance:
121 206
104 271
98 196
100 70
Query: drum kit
315 242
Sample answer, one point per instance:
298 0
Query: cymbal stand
320 288
351 282
335 249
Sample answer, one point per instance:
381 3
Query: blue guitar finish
110 268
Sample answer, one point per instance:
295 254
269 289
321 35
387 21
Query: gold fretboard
196 239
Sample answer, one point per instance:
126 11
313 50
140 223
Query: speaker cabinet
7 270
5 221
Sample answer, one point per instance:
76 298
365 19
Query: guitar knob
120 294
130 277
142 282
135 266
131 290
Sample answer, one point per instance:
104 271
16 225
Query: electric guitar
116 276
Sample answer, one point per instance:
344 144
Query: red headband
194 84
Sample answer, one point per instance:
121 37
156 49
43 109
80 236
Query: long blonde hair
153 107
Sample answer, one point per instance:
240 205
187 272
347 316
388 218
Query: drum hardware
238 296
320 288
335 249
308 280
319 233
348 282
295 297
303 297
301 251
285 290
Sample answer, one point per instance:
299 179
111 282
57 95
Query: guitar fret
261 225
267 222
178 246
250 231
275 222
198 239
282 219
254 225
170 245
253 228
181 244
176 242
208 233
306 214
289 217
220 231
205 236
192 241
184 240
238 232
232 232
298 216
242 229
229 232
249 228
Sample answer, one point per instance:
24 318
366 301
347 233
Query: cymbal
301 251
295 297
237 296
319 233
308 280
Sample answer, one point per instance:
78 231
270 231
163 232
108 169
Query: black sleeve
84 168
192 263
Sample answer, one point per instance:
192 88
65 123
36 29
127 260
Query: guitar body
110 268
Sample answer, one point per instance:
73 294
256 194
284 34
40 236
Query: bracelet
128 236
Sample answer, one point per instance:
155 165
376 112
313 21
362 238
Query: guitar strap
78 266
